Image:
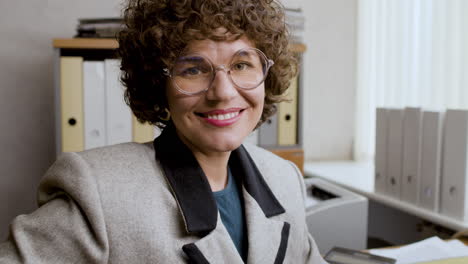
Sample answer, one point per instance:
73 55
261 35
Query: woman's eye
191 71
240 66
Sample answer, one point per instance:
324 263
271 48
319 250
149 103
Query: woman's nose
222 87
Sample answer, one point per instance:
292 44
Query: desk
359 177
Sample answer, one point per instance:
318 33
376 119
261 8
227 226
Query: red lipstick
222 117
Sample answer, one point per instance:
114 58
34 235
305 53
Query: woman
207 72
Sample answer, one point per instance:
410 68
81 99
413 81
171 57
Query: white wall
27 144
329 78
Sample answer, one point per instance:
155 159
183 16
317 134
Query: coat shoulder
129 150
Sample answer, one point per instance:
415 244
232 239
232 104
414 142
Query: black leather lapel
241 163
194 254
188 182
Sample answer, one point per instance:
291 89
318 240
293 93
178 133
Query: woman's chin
226 146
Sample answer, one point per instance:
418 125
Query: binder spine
287 117
381 147
94 104
412 125
118 115
395 151
71 97
431 160
454 202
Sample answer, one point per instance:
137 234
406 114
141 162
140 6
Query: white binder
94 104
431 160
381 130
268 132
118 115
454 202
411 154
395 151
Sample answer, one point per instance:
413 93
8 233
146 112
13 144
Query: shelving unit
359 177
102 48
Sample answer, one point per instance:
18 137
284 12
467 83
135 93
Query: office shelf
359 177
102 43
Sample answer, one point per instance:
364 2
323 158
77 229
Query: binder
381 147
412 124
454 200
71 102
395 151
142 132
94 104
431 160
118 115
268 132
287 116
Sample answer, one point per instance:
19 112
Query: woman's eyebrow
244 53
190 58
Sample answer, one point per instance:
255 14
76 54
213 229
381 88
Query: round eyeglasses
194 73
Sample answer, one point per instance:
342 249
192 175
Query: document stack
296 21
99 28
421 157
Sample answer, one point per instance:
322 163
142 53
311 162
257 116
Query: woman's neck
215 168
213 164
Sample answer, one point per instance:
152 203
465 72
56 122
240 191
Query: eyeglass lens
194 73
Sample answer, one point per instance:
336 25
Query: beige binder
71 98
287 116
142 132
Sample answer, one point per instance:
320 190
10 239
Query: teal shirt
231 209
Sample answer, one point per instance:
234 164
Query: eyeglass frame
224 68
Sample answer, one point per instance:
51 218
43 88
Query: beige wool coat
151 203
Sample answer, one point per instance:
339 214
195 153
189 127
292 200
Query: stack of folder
99 27
93 111
421 157
296 22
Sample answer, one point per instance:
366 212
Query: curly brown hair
157 31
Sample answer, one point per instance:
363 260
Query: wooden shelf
296 155
102 43
85 43
298 47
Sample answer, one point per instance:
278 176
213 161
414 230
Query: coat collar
192 190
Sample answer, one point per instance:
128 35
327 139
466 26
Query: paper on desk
429 249
458 260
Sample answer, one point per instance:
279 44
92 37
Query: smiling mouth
218 115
